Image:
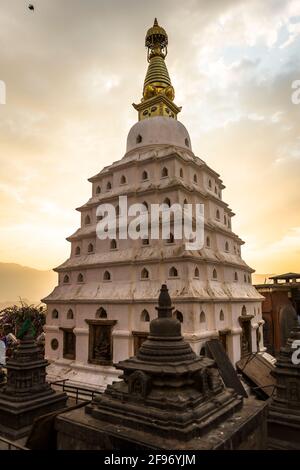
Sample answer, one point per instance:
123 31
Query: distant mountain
29 284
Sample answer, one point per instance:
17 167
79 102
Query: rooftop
286 276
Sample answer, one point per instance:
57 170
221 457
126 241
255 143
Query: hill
30 284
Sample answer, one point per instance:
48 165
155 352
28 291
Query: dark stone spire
164 303
26 394
158 92
284 409
165 342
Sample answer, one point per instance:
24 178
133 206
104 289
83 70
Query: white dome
158 130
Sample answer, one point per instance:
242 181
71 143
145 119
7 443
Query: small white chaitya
107 290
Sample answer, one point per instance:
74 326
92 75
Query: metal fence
77 393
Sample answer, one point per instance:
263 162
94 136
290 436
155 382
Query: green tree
16 315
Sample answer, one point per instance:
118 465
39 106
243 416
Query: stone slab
16 419
246 429
226 369
259 371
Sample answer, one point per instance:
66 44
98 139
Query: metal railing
5 444
78 393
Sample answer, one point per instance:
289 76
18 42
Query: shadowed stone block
26 394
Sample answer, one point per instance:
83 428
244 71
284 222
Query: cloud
294 32
72 70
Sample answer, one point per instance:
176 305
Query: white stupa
107 290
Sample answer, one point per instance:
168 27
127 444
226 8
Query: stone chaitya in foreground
26 394
168 398
284 410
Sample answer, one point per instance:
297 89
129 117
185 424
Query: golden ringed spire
158 92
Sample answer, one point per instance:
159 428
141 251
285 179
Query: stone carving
201 379
102 347
100 341
214 379
139 384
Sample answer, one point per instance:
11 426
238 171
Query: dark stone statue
26 394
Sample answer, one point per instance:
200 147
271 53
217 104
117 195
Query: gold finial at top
156 41
158 92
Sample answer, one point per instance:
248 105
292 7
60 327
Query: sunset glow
68 111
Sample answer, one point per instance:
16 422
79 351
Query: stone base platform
16 417
283 432
246 429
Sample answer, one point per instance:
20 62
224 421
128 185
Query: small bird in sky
31 7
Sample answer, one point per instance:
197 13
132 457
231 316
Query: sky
72 69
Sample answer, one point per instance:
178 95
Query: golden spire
158 92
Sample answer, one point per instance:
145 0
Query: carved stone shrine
168 397
26 394
284 410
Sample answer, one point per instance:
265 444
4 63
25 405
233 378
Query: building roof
286 276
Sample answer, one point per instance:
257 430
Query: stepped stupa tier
99 313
